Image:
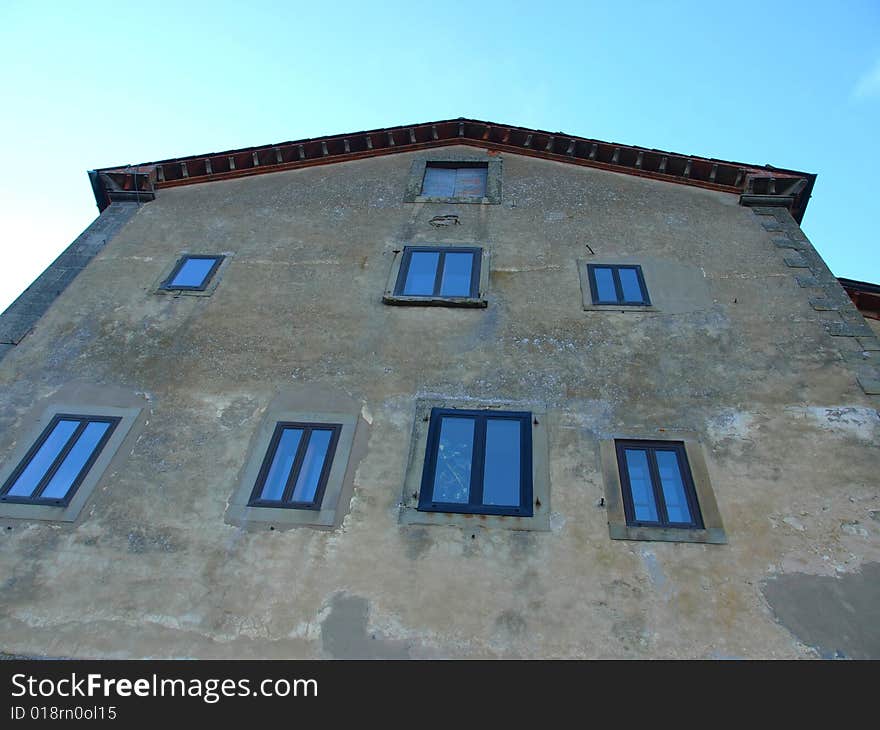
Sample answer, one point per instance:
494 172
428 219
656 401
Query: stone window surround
479 301
240 513
587 292
69 513
413 192
158 284
409 501
674 287
713 529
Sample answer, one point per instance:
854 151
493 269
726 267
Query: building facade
452 390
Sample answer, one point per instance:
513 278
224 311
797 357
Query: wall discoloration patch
345 634
838 617
510 624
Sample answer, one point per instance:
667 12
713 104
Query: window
300 466
439 272
618 284
478 462
658 489
459 180
452 180
193 273
58 462
295 471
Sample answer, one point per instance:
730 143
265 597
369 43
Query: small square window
193 273
58 462
478 462
658 489
439 272
621 284
452 180
297 464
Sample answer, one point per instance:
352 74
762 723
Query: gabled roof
755 184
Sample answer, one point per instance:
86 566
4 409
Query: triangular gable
756 185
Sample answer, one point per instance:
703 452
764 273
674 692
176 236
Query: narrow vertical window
618 284
478 462
56 464
193 273
658 488
296 466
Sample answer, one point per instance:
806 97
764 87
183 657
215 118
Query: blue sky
85 85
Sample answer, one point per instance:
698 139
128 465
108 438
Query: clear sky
88 84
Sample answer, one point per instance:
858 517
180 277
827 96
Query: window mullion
657 486
618 288
478 462
438 275
297 465
59 460
454 193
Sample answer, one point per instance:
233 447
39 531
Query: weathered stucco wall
152 568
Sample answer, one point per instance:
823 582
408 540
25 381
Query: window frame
167 285
301 404
479 269
457 165
410 515
493 162
473 507
36 499
296 467
618 288
77 400
406 260
712 531
652 447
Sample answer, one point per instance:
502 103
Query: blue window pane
312 466
644 507
421 273
456 281
61 482
193 272
470 182
673 488
279 472
439 182
32 474
452 475
629 282
501 476
605 285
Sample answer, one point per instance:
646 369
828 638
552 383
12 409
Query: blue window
439 272
618 284
451 180
193 273
478 462
57 463
658 489
297 465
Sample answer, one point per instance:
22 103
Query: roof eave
756 185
